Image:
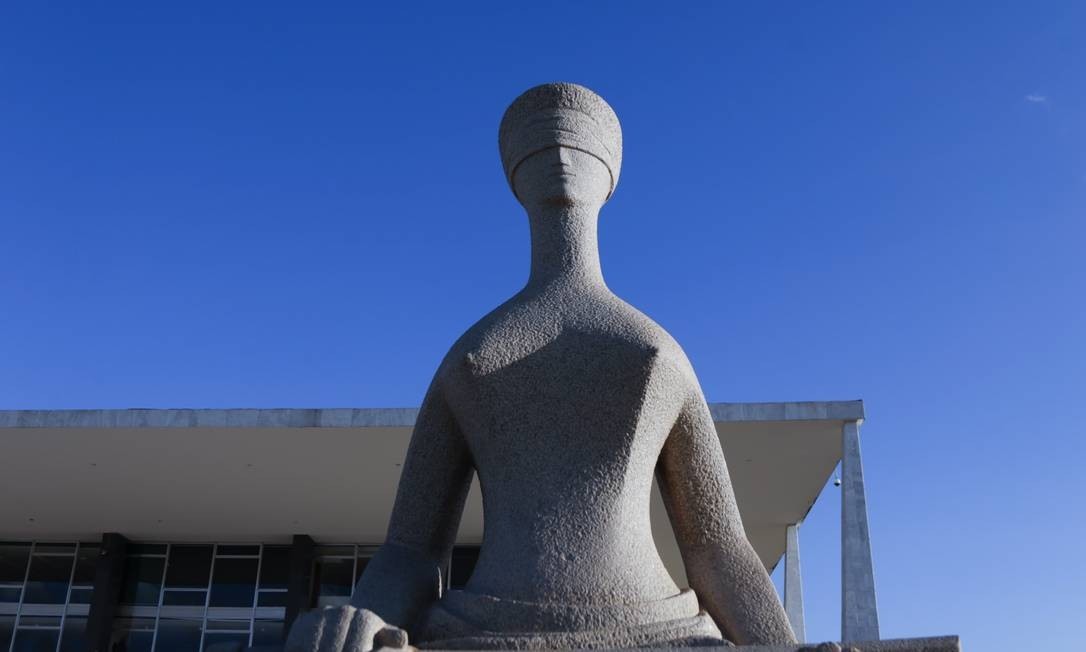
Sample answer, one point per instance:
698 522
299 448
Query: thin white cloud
1037 98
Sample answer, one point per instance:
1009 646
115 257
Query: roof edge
792 411
365 417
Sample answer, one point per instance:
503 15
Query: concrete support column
108 581
793 584
859 613
300 579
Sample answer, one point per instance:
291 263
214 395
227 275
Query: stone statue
566 401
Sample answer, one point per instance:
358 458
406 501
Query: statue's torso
565 402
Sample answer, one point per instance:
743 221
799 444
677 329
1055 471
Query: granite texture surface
927 644
567 402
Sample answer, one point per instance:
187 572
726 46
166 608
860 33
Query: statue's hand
343 629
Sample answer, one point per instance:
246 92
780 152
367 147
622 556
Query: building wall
179 597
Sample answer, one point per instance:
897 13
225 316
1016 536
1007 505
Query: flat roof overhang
245 475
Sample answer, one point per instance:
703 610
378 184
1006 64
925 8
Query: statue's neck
565 251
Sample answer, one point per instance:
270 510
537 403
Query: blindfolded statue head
561 145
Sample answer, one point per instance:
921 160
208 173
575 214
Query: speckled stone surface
927 644
566 401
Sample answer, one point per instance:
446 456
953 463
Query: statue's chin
561 201
562 195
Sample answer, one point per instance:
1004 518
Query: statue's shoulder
518 328
639 328
502 333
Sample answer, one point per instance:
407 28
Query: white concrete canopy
262 475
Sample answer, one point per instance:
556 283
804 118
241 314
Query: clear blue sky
231 204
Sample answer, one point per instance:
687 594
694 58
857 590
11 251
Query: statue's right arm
406 575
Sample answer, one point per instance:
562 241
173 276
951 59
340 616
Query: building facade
210 530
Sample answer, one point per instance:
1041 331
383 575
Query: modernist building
205 530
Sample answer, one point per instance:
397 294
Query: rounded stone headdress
560 114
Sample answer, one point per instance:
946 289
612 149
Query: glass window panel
146 549
35 640
133 635
58 548
13 560
272 599
234 583
224 642
184 598
178 635
238 550
335 551
73 638
47 582
7 628
333 581
189 567
80 596
85 562
267 632
275 567
228 625
226 635
11 594
39 621
142 579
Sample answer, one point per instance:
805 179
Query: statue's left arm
721 565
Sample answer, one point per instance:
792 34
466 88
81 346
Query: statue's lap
464 620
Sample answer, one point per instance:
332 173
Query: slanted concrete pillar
793 583
108 581
859 613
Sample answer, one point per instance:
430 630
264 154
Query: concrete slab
244 475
